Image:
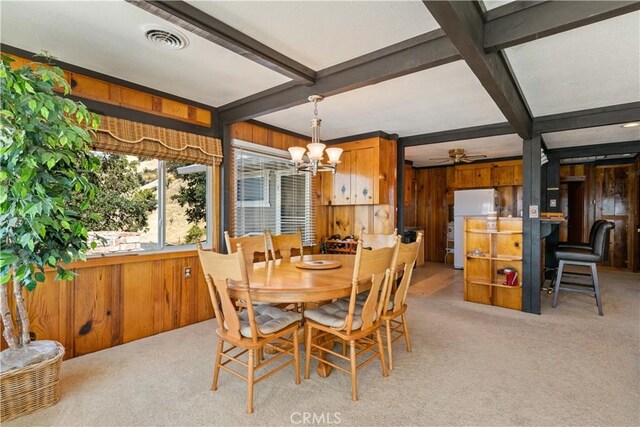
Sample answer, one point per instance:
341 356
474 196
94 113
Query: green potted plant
45 158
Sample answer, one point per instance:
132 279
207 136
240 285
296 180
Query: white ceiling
492 4
591 136
441 98
588 67
493 147
105 36
591 66
320 34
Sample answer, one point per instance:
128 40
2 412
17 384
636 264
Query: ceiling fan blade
476 156
443 162
466 160
441 158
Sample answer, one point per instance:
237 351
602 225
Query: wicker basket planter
29 389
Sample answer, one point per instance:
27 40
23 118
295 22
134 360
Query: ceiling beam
592 117
457 134
512 7
196 21
464 25
627 147
549 18
410 56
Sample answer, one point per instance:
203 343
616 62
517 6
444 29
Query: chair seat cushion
269 320
574 245
362 297
574 254
335 315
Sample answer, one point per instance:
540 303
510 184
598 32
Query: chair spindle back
375 265
218 269
407 256
252 245
284 245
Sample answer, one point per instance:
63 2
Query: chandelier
316 149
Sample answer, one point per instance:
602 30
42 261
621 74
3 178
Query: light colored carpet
471 365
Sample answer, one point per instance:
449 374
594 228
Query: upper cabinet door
342 180
363 172
326 188
517 175
502 175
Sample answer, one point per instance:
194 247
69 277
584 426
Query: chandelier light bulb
334 154
297 153
316 150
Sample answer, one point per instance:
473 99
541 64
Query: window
268 194
252 189
148 204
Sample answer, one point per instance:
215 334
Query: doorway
575 211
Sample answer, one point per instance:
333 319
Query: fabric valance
127 137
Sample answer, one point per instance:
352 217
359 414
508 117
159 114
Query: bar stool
584 245
585 257
575 245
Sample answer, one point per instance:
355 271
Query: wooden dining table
281 282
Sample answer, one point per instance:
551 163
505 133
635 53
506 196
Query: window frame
162 246
278 197
264 202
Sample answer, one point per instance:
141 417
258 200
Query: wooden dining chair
397 306
255 247
284 245
378 240
250 330
358 325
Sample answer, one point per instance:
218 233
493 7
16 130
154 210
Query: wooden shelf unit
499 249
348 248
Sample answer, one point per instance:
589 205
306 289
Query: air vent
165 37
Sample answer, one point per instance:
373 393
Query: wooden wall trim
129 258
87 87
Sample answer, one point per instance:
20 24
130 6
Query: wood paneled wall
410 205
609 192
432 191
116 300
251 132
110 93
429 203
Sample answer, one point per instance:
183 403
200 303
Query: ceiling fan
457 155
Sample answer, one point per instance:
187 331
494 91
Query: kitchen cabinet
362 172
502 175
342 180
484 175
366 174
473 177
517 174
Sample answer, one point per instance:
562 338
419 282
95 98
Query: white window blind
268 194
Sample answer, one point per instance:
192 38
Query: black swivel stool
586 257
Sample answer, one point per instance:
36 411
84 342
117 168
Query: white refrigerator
469 203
